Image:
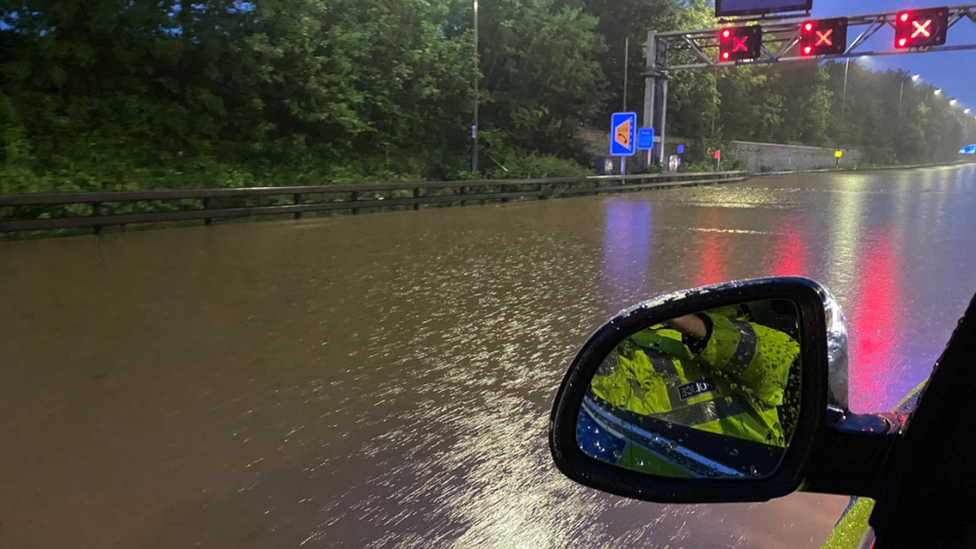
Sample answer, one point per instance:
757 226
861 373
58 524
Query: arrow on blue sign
623 134
971 149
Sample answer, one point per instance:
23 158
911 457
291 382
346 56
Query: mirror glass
714 394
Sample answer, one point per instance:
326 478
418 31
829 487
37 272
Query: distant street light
966 111
938 91
953 102
916 77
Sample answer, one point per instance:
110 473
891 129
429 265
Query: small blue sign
971 149
645 139
623 134
681 149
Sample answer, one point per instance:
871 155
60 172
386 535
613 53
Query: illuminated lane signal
738 43
823 37
921 28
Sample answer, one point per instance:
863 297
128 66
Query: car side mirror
717 394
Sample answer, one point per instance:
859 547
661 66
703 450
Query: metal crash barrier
54 211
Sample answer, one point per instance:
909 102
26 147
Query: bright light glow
938 91
902 41
739 44
824 38
903 17
809 27
726 33
725 55
807 50
953 102
965 111
922 29
916 77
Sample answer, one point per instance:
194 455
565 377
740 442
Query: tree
541 79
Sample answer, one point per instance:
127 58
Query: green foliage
521 166
883 114
130 94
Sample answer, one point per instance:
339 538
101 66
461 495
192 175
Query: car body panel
853 524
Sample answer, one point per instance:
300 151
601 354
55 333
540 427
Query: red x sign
739 43
922 28
824 38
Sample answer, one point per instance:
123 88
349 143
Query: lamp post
901 92
843 101
474 125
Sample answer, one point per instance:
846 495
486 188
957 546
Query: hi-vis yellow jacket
730 384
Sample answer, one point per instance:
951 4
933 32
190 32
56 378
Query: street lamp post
843 101
474 125
901 92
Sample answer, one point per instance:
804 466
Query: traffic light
737 43
823 37
921 28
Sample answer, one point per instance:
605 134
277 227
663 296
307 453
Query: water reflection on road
385 380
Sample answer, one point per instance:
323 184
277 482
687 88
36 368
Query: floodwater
385 380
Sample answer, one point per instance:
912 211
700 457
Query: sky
954 72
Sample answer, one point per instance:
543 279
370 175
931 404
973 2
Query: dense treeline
165 93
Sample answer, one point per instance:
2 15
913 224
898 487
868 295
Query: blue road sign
645 139
971 149
623 133
681 149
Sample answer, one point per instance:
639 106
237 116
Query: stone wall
770 157
757 157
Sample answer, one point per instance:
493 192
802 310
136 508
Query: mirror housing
823 393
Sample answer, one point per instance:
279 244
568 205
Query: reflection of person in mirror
714 372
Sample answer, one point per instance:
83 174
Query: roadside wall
767 157
757 157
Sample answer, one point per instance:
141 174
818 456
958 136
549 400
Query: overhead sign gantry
765 41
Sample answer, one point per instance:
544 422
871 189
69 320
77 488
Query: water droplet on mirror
672 445
669 424
753 471
733 452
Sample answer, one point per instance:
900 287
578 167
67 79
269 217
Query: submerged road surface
385 380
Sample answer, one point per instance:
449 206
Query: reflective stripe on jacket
669 382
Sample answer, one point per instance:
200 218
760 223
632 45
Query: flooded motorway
385 380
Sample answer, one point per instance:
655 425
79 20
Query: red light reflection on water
790 253
874 323
713 249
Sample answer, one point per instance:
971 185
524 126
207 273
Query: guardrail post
297 199
504 189
353 198
95 207
206 206
462 191
416 194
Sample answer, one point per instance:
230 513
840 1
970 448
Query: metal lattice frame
779 44
781 38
